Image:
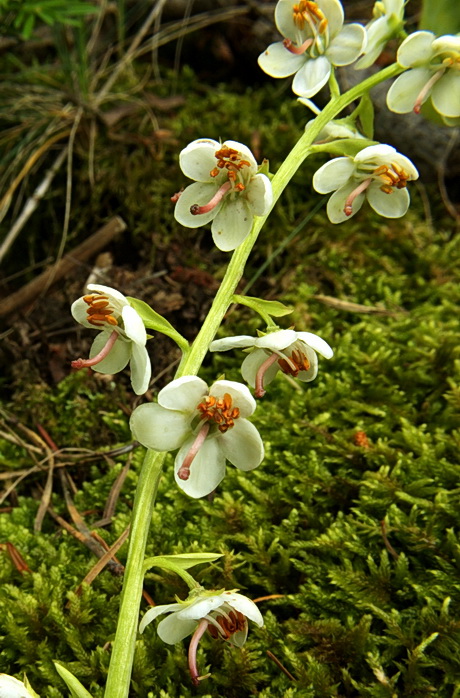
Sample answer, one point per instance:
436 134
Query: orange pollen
99 310
392 176
228 625
219 411
307 11
229 159
297 362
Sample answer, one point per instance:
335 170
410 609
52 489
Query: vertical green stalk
125 639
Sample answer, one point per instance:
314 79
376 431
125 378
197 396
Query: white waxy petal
78 310
333 175
316 343
241 397
156 611
446 94
206 471
183 394
378 33
259 195
392 205
278 62
284 20
377 154
237 342
245 153
276 341
199 193
172 629
239 637
335 205
157 428
245 606
251 365
12 688
118 357
141 369
242 445
112 293
232 224
333 11
416 49
198 159
202 607
347 46
134 327
407 165
403 93
449 43
313 75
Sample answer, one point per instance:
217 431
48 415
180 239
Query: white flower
315 40
378 173
122 338
224 614
294 353
12 688
228 190
387 22
208 426
435 74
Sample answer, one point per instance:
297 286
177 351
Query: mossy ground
353 516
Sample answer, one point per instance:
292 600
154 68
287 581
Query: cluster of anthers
220 411
229 624
99 310
392 176
297 362
307 12
229 159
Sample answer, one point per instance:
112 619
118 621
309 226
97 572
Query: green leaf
29 688
73 684
266 309
344 146
184 561
155 321
366 116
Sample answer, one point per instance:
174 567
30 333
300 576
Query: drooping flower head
388 20
293 353
434 74
122 337
378 173
207 425
228 190
315 40
224 614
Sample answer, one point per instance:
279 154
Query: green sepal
155 321
72 683
33 693
264 168
183 561
365 113
266 309
348 147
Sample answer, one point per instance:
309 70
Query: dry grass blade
115 490
46 496
354 307
104 560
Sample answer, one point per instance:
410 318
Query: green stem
125 639
124 644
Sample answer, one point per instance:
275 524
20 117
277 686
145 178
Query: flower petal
239 393
278 62
158 428
202 607
232 224
172 629
259 195
416 49
312 76
78 310
152 613
251 365
336 204
206 471
276 341
333 175
245 606
199 193
242 445
112 293
183 394
347 46
237 342
392 205
134 327
380 153
141 369
403 93
245 152
333 11
446 94
198 159
118 357
239 637
316 343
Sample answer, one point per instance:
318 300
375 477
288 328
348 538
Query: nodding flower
121 339
223 614
228 190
